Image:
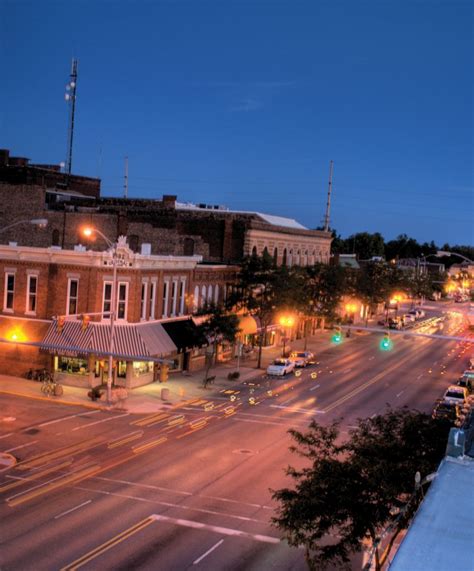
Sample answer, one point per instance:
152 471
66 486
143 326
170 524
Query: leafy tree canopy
352 490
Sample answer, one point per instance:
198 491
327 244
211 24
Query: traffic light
386 343
337 336
61 320
85 321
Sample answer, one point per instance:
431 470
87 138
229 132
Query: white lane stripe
6 435
100 421
67 417
401 392
288 400
217 529
300 410
347 371
22 446
72 509
199 559
314 388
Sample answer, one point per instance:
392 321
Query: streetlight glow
88 231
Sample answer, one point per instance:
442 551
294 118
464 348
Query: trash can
165 394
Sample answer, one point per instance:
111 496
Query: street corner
6 461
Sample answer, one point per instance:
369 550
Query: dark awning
184 334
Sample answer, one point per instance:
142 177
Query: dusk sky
244 103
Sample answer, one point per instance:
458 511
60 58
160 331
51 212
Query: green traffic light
386 344
336 338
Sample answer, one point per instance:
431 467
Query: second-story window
143 301
182 295
9 292
152 300
174 288
107 302
32 291
166 288
122 300
72 297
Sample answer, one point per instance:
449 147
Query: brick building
155 296
173 228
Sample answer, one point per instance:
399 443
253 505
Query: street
189 487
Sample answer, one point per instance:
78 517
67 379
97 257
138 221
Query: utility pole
328 204
70 97
125 179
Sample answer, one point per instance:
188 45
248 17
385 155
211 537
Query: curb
49 399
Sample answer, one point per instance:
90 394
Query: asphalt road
188 488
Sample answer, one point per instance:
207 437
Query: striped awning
130 340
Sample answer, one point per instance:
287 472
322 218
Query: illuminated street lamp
286 321
88 232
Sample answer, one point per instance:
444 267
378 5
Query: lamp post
88 232
286 321
40 222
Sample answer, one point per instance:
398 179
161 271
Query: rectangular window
107 303
166 292
182 296
72 297
9 292
32 291
122 300
174 288
143 301
152 300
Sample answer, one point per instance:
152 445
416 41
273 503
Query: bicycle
50 387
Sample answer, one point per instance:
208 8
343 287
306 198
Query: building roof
441 536
268 218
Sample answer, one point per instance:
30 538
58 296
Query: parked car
417 313
394 323
449 412
301 358
455 395
281 367
466 382
408 318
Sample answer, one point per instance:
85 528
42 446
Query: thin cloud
247 105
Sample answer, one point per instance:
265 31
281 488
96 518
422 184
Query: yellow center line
121 442
108 544
36 476
148 445
53 455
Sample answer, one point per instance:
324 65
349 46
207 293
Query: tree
353 491
218 327
373 284
262 289
365 245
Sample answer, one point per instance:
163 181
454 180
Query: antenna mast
70 97
125 179
328 204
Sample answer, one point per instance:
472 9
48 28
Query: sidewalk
181 387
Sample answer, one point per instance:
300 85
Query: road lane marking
125 439
346 371
22 446
367 384
72 509
199 559
6 435
258 421
150 444
100 421
400 393
19 480
300 410
55 454
108 544
217 529
67 418
314 388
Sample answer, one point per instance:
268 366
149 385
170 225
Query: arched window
284 261
275 256
290 258
188 247
203 295
209 294
254 251
216 294
265 251
55 237
196 298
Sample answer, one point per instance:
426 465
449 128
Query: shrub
95 393
233 376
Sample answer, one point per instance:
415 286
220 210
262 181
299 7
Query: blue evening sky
244 103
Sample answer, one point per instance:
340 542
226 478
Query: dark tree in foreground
354 490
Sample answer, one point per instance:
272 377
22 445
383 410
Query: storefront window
72 365
122 369
142 368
